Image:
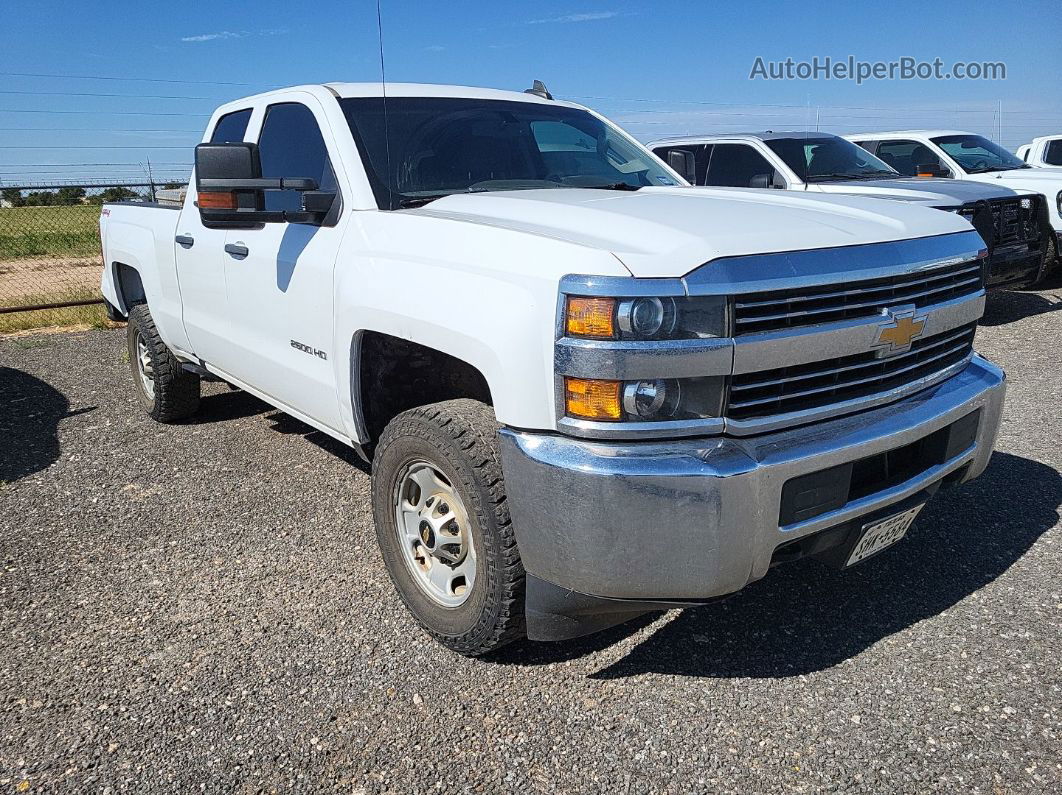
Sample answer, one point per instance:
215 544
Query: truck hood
936 192
1045 181
1019 177
667 232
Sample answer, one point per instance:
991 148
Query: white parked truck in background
1043 152
586 389
963 155
1014 226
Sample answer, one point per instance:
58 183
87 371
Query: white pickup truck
1043 152
1013 225
963 155
587 390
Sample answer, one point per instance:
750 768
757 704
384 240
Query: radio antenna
383 91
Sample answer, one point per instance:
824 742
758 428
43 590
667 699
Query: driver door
279 276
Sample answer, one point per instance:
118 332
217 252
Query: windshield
436 146
976 154
823 158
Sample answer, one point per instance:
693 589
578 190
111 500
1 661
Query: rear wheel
443 525
167 392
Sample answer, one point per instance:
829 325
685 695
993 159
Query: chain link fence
50 251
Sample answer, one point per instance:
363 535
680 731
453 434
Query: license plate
878 535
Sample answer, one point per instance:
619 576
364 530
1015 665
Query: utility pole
151 180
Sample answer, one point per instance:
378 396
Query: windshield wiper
840 175
420 201
988 169
609 186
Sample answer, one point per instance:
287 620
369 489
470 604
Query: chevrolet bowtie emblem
896 335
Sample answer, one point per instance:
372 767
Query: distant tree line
65 196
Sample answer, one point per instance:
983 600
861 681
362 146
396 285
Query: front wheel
165 390
443 525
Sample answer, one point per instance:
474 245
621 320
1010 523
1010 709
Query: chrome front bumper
692 519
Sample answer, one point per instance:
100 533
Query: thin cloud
590 16
434 48
231 34
223 34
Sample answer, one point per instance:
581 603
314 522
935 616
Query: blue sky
659 68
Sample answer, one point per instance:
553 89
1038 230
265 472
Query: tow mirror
931 170
681 160
765 181
231 190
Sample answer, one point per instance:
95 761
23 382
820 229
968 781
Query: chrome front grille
811 386
806 306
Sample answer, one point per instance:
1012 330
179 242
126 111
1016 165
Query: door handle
237 250
184 240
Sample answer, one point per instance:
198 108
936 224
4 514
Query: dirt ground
35 277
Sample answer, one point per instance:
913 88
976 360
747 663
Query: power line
93 94
128 79
99 129
130 146
802 106
106 112
79 165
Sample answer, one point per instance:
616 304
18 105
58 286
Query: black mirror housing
231 190
682 161
931 170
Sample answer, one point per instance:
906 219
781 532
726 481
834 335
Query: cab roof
920 133
377 89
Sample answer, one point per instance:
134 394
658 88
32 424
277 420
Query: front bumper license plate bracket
883 533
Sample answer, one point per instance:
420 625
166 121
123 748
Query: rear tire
443 525
166 391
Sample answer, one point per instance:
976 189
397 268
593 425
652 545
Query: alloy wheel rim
145 367
434 534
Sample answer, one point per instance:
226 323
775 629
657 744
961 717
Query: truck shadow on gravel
1009 306
804 617
30 411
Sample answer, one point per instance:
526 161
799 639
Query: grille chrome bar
793 308
753 383
972 269
898 298
820 384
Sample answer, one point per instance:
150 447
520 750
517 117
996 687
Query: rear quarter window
231 127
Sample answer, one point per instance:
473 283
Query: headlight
1058 201
646 318
644 400
649 361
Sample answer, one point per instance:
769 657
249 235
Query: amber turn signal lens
592 399
217 201
590 317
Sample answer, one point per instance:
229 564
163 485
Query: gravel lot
202 607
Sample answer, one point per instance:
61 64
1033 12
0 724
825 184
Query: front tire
165 390
443 525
